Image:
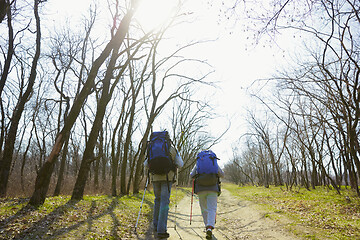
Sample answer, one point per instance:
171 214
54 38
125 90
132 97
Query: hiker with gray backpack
206 184
162 162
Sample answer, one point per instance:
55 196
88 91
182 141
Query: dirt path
236 219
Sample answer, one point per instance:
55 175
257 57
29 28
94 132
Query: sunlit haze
152 14
236 60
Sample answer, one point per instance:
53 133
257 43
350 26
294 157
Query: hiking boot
163 235
209 233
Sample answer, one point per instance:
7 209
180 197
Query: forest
307 134
77 107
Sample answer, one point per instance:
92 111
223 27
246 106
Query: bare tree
151 102
43 178
320 93
136 85
106 93
189 127
7 156
262 131
118 134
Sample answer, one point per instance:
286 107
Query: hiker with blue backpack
206 184
162 162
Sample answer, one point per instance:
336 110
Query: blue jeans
161 205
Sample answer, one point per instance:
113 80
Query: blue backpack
158 151
207 168
207 162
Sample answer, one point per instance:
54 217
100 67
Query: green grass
317 214
94 217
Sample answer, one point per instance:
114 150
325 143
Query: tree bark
62 168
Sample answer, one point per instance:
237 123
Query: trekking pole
215 215
192 197
137 220
176 185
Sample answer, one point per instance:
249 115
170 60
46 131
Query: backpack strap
173 180
219 184
167 181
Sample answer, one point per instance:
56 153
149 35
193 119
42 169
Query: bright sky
236 61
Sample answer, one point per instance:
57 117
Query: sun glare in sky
152 14
236 59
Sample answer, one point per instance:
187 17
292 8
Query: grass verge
94 217
317 214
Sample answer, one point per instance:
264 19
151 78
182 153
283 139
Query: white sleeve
221 172
193 172
178 160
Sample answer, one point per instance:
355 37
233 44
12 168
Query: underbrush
94 217
316 214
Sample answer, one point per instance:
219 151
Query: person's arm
221 172
176 157
178 160
193 172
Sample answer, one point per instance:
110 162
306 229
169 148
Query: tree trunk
10 51
275 169
115 150
114 171
126 150
62 167
115 158
314 175
6 159
140 162
88 156
39 194
131 175
96 172
43 177
78 191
